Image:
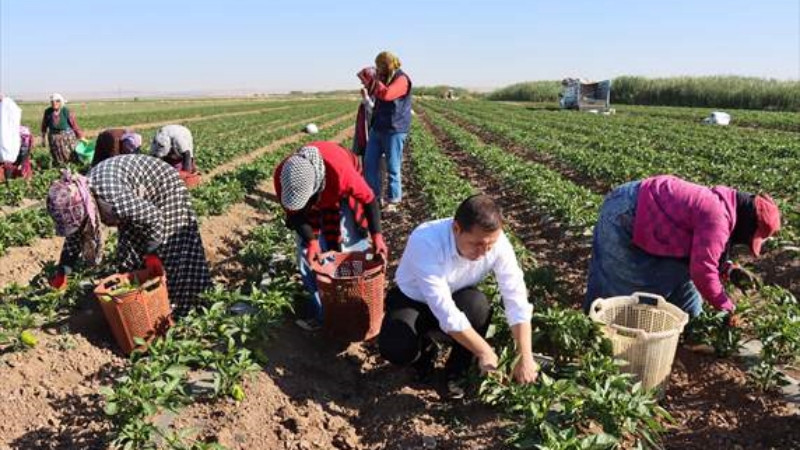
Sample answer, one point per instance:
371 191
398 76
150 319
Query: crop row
211 341
770 314
583 400
208 135
23 227
612 160
545 190
88 119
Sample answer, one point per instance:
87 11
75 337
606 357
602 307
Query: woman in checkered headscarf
146 200
329 205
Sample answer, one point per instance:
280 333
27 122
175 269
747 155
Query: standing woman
329 205
390 126
115 142
367 76
670 237
174 144
61 130
149 204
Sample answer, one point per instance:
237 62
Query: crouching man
436 293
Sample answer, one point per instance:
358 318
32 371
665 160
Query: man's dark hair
479 211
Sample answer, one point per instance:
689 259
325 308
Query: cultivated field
257 381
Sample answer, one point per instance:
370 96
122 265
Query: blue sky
84 46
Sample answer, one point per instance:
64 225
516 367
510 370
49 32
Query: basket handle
649 299
597 305
625 331
151 284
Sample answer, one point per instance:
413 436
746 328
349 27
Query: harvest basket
191 179
644 330
142 311
351 287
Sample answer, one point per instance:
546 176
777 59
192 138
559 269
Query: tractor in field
583 95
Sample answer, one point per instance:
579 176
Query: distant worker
366 107
149 204
174 144
21 167
670 237
390 126
60 130
329 206
115 142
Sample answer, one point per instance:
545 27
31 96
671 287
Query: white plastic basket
644 330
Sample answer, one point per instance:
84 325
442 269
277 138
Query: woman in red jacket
329 205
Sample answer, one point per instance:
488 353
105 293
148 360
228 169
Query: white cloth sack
10 118
718 118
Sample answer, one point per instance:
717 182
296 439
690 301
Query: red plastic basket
351 286
192 179
143 312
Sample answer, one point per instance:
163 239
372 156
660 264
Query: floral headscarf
73 209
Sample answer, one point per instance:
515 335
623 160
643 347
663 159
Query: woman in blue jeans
390 124
671 237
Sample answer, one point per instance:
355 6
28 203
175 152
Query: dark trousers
407 327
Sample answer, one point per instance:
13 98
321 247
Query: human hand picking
487 362
526 370
313 251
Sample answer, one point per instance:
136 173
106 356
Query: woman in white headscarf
174 145
61 130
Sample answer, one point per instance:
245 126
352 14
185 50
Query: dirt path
20 264
316 393
564 259
250 156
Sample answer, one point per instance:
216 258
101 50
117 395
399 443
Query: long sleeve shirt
397 88
431 270
343 181
174 139
53 116
679 219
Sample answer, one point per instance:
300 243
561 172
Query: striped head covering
302 176
73 209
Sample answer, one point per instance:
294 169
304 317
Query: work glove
379 245
59 280
153 265
313 251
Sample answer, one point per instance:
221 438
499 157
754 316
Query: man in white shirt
441 266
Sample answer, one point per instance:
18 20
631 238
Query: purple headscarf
73 209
